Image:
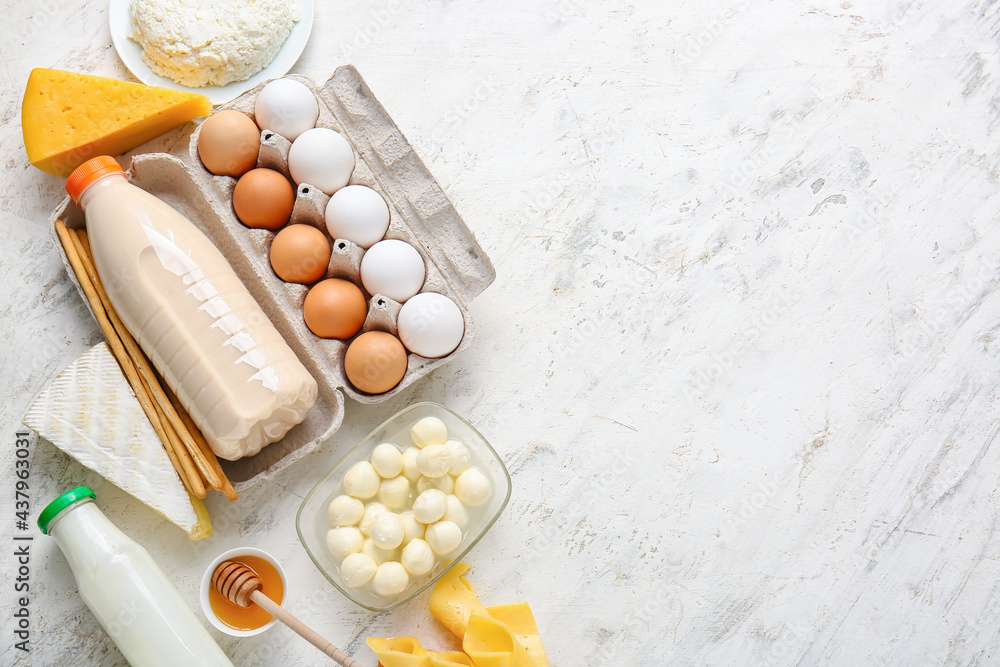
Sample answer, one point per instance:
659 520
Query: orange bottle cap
88 172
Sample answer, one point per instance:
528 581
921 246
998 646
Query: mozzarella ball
430 506
444 483
386 531
378 554
456 512
344 541
357 570
412 529
357 213
459 457
394 493
394 269
372 510
418 557
361 481
345 511
387 460
434 460
287 107
444 537
429 431
410 471
472 487
390 579
323 158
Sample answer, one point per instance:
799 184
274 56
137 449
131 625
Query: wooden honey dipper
241 586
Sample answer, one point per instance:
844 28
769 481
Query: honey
252 617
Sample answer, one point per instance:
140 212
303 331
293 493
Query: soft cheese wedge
68 118
90 412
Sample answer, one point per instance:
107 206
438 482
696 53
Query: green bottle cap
61 503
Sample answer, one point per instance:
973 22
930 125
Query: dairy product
196 321
67 118
125 589
210 42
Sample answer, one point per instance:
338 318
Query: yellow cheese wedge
399 652
68 118
491 643
454 600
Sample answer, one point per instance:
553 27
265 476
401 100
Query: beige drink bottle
191 314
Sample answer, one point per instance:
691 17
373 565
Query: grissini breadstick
118 350
227 487
146 370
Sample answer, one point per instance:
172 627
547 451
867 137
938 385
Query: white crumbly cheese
90 412
210 42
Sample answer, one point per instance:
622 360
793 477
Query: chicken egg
430 325
300 254
263 199
375 362
322 158
393 268
286 106
359 214
335 308
228 143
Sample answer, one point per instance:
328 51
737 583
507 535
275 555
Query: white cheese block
90 412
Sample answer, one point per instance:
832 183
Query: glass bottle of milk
125 589
193 317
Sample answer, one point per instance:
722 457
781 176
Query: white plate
131 54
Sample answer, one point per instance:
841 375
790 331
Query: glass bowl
312 523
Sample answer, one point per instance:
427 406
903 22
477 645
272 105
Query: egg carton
420 214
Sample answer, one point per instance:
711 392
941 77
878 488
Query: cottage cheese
210 42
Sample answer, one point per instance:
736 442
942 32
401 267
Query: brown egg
263 199
300 254
335 308
228 143
375 362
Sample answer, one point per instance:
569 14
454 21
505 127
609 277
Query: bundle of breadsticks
187 449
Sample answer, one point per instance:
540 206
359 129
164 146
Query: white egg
372 510
434 460
345 511
410 471
322 158
394 493
430 506
456 512
361 480
392 268
412 529
444 483
429 431
459 457
387 460
418 557
386 531
344 541
430 325
359 214
444 537
287 107
357 570
472 487
390 579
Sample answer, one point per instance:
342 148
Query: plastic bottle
191 314
125 589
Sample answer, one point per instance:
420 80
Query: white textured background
740 356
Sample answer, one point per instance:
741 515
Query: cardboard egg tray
420 214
